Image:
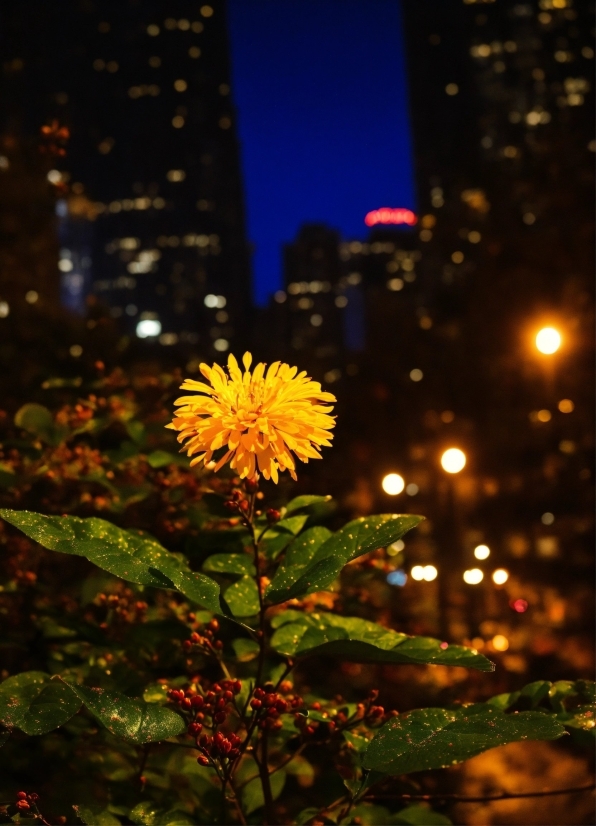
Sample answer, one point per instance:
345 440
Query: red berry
22 804
236 686
220 717
273 516
22 795
256 704
202 760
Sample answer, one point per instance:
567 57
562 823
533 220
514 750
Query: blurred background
398 198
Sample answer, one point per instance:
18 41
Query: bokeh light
453 460
393 484
429 573
482 552
417 573
500 576
548 341
473 576
500 643
519 605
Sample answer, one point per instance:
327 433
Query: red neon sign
390 215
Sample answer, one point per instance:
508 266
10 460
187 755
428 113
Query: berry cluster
269 705
219 746
122 607
206 639
26 800
216 704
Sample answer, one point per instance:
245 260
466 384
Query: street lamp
548 341
453 460
393 484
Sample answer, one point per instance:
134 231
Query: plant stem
456 798
237 801
265 779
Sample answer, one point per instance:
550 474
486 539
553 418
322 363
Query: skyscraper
151 220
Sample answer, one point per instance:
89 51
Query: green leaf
300 503
435 738
298 556
369 814
133 720
245 649
354 539
230 564
419 815
129 555
34 703
243 597
94 817
37 420
161 458
148 814
358 640
252 793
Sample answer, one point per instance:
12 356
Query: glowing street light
453 460
548 341
500 576
429 573
482 552
473 576
393 484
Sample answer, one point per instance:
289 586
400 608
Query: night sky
321 96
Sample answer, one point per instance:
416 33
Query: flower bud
256 704
194 729
23 805
203 760
22 795
273 516
220 717
251 485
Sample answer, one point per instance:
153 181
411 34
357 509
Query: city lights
398 578
547 518
426 573
500 643
393 484
429 572
473 576
500 576
548 341
482 552
453 460
566 406
389 215
148 327
519 605
396 547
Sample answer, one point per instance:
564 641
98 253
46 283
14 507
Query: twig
457 798
265 778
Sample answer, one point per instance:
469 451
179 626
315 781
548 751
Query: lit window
152 30
168 339
412 489
180 85
4 309
206 11
99 64
197 27
547 518
170 23
395 284
112 66
54 176
194 52
224 89
176 175
474 237
280 296
155 62
457 257
452 89
416 375
225 122
426 235
65 265
31 296
178 122
221 345
184 25
316 320
566 406
148 328
76 350
341 301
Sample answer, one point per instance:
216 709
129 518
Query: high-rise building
151 220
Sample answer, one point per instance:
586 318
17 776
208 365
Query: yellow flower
261 417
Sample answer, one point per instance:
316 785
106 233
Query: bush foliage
162 632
